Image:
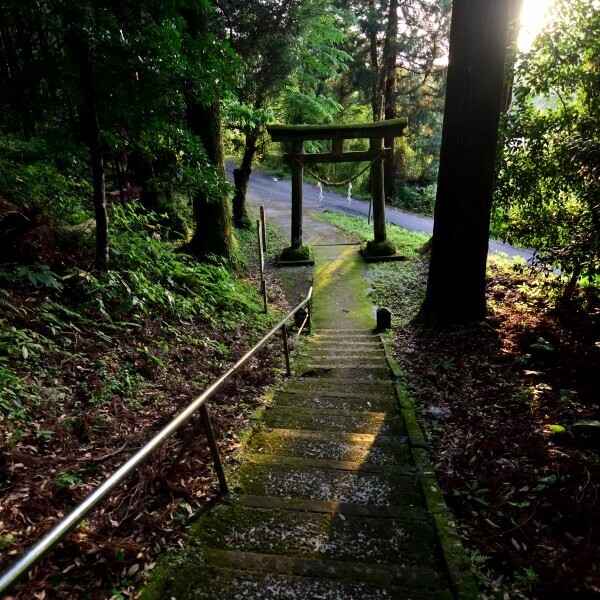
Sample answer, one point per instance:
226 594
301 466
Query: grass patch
407 242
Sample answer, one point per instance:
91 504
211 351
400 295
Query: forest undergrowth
91 366
511 411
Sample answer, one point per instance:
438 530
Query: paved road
276 194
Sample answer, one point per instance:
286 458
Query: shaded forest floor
82 391
511 410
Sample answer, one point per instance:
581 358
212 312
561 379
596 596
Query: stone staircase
329 502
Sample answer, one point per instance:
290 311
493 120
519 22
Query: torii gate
298 134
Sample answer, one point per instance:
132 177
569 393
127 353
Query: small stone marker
384 319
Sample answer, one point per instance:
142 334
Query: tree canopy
547 194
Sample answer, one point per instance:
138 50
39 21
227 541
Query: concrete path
332 499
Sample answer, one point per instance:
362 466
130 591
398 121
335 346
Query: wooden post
297 177
261 264
286 351
378 193
263 223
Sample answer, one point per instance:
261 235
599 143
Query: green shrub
149 275
416 198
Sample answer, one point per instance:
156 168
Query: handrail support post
214 449
286 351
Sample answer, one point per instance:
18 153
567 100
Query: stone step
359 374
341 508
340 349
329 484
250 576
370 540
343 386
351 447
396 575
336 401
347 338
321 332
377 423
295 462
337 354
352 343
330 361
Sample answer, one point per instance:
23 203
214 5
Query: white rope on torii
344 183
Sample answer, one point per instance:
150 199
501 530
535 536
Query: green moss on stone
299 253
385 248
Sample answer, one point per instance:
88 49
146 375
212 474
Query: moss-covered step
210 583
360 335
251 575
369 540
351 447
347 386
413 576
328 484
346 336
350 345
345 331
294 462
376 423
359 374
336 401
341 349
339 360
338 353
341 509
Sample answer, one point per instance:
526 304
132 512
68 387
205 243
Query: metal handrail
68 523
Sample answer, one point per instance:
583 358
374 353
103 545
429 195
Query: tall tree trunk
212 233
376 97
90 130
15 76
478 44
241 177
390 52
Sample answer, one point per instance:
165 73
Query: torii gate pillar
375 132
297 179
378 193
